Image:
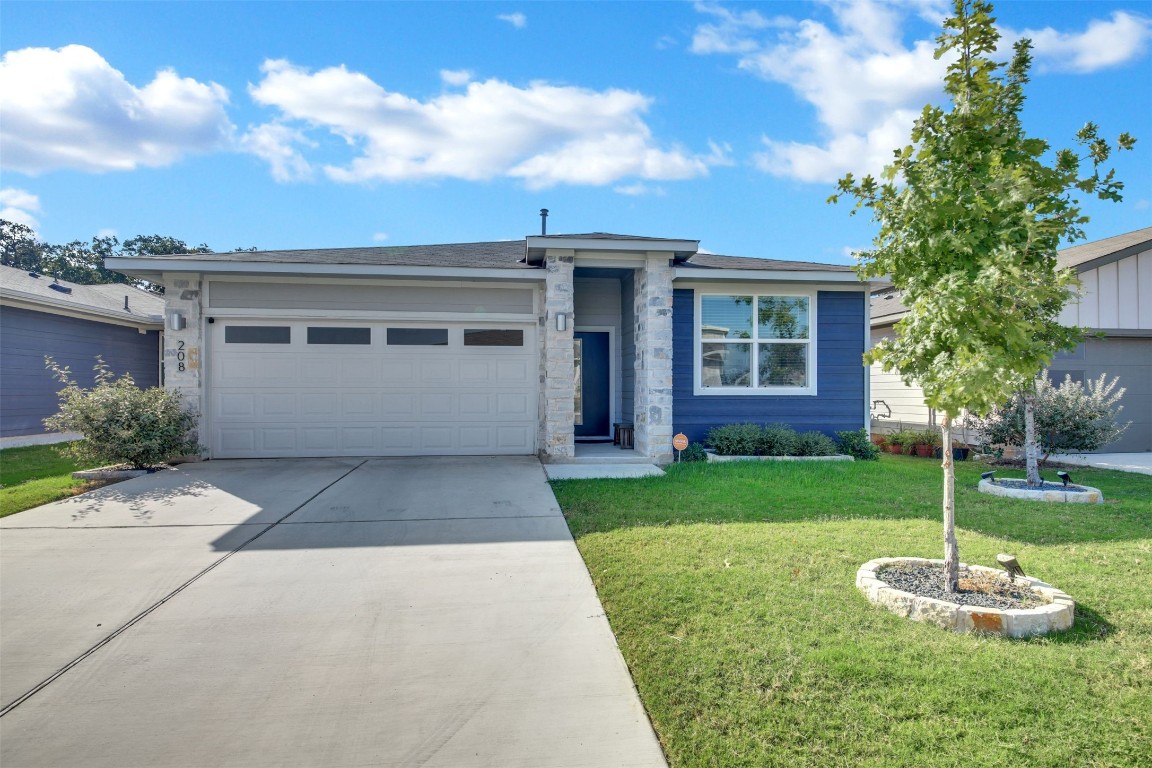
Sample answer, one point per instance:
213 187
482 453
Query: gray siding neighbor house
1114 301
74 324
513 347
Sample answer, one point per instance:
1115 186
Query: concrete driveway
324 612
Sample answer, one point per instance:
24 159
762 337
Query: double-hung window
755 343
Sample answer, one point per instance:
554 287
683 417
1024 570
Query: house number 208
180 356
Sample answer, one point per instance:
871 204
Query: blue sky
309 124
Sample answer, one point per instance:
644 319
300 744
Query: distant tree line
81 261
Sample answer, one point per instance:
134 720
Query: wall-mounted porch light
561 321
176 322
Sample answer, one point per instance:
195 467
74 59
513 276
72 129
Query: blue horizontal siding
27 389
838 404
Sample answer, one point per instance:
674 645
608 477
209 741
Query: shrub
778 440
858 445
814 444
1069 417
121 423
694 452
735 439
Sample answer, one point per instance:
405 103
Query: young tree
970 217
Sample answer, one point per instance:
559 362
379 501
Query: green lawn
35 475
730 589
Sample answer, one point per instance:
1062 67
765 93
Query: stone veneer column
182 294
557 372
653 395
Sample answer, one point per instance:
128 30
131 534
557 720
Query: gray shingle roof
1118 246
716 261
501 254
105 300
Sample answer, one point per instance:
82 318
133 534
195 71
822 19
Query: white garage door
343 388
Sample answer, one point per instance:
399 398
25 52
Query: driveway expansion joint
140 616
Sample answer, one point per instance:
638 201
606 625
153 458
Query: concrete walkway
430 612
1140 463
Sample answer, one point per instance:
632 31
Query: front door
592 386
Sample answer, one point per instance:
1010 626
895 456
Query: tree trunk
1030 450
951 551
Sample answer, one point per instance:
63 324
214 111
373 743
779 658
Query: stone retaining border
1056 616
1088 494
110 473
838 457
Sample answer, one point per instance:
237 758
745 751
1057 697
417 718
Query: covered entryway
289 388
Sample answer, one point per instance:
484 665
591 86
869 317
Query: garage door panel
434 404
370 399
513 372
277 404
433 371
281 439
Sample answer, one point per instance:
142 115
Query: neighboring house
73 324
1115 300
513 347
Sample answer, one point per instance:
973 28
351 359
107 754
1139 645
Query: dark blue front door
592 390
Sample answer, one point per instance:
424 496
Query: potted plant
925 442
896 442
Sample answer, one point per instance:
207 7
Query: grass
35 475
730 589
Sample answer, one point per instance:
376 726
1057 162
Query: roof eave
152 269
781 275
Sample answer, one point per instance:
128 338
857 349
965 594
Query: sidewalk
1141 463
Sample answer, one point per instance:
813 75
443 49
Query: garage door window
417 337
257 334
493 337
325 335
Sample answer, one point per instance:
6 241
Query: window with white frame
755 343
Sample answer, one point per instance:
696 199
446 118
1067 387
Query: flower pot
922 450
896 449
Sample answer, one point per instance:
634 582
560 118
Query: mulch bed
976 588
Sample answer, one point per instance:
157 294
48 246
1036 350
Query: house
1114 301
514 347
73 324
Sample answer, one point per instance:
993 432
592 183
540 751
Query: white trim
721 285
157 266
380 316
697 373
757 275
613 353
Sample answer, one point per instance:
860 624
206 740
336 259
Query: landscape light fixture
989 476
1009 563
1065 477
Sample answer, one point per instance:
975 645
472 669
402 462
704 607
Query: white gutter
136 266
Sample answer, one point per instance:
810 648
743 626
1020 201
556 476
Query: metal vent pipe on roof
543 221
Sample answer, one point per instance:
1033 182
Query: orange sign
680 442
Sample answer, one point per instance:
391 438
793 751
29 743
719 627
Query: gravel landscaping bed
975 588
1045 486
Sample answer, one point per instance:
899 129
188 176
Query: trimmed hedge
770 440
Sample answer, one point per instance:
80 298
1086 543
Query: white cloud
638 189
19 206
276 144
456 76
516 19
69 108
379 237
106 232
1103 44
865 83
543 134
